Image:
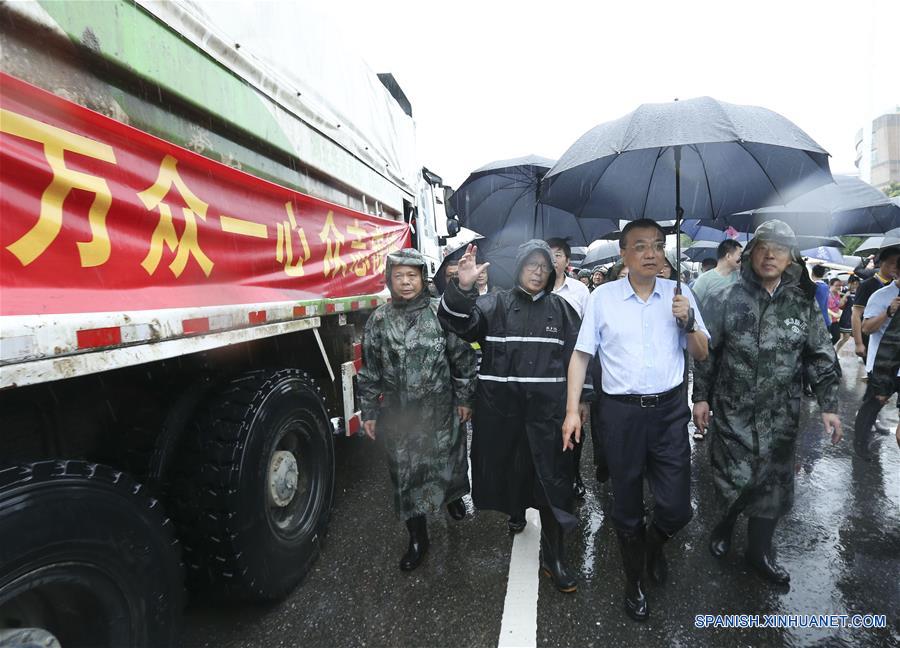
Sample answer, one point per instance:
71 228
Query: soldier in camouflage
415 387
766 330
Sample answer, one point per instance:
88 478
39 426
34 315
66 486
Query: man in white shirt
724 274
641 326
880 309
576 294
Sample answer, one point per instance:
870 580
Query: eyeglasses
657 246
775 249
533 266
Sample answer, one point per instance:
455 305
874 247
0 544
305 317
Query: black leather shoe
720 539
769 570
457 509
553 562
516 523
657 567
418 543
580 490
633 550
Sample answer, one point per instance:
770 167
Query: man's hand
882 399
861 351
701 416
584 411
681 306
571 428
468 269
465 413
833 426
369 429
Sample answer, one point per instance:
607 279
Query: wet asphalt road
841 544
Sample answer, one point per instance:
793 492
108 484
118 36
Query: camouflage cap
585 273
776 231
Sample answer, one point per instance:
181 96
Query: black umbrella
500 201
701 158
847 206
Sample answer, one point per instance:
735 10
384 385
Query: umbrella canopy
601 252
870 246
733 158
500 200
699 157
701 250
846 206
829 254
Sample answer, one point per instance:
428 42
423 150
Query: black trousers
867 414
651 441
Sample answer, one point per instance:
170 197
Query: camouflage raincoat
760 346
413 377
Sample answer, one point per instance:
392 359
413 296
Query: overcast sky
490 80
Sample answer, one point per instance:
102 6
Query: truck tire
86 555
254 484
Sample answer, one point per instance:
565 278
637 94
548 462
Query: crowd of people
530 368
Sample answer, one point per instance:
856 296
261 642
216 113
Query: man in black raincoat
526 334
767 333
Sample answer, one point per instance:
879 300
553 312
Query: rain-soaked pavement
841 544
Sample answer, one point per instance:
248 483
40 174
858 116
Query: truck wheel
87 556
254 485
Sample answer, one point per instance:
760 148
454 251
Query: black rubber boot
516 523
457 509
580 490
633 550
418 543
759 547
720 538
553 562
657 567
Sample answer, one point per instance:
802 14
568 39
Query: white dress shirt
641 346
576 293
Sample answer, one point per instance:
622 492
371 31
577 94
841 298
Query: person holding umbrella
527 334
641 327
767 331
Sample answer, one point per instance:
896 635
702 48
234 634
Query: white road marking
518 629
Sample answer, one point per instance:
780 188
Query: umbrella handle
679 213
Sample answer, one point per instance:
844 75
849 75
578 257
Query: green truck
153 445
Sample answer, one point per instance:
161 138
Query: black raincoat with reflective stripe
520 398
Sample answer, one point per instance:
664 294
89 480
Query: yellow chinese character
284 253
359 235
333 261
165 233
56 143
378 251
360 264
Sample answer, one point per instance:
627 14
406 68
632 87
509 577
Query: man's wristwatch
691 324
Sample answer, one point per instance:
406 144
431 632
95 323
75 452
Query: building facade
878 150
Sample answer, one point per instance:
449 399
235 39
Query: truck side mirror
452 227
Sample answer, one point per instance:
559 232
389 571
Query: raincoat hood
525 250
777 231
407 257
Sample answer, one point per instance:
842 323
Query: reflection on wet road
841 544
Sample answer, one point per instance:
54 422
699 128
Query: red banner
98 216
